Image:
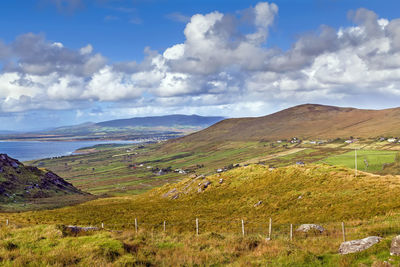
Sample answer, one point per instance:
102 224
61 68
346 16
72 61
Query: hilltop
308 121
21 184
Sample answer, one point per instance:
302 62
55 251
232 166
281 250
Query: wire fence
264 228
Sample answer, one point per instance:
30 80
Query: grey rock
176 196
310 226
206 184
258 203
395 246
358 245
221 181
170 192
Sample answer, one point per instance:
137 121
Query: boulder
309 227
358 245
71 230
395 246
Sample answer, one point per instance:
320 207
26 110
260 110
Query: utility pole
355 159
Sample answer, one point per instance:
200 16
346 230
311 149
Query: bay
30 150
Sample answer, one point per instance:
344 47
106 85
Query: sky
65 62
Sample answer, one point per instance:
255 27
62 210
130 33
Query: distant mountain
19 183
307 121
166 121
158 128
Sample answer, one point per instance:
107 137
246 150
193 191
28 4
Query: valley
212 200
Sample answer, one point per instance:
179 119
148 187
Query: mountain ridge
306 121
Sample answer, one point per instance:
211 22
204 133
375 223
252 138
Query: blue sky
69 61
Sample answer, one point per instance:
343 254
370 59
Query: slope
21 184
315 193
307 121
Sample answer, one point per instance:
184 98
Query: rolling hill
308 121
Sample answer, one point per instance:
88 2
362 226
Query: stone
309 227
221 181
358 245
170 192
71 230
176 196
258 203
206 184
395 246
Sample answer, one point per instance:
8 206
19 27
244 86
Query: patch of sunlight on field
367 160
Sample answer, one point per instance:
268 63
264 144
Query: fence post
197 226
164 226
7 222
102 225
243 227
291 232
270 229
344 232
136 226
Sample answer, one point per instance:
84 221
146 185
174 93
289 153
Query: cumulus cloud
219 67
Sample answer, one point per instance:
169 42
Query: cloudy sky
65 62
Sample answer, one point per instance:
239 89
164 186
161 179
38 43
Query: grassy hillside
315 193
46 246
305 122
368 204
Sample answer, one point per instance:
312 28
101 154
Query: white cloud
217 68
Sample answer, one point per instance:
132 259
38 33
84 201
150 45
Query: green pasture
367 160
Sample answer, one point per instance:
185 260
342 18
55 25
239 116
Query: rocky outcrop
7 161
19 182
358 245
305 228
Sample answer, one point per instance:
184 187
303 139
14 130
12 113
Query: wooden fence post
102 225
136 226
270 229
243 227
164 226
197 226
343 232
291 232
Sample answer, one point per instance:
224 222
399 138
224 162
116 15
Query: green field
367 160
